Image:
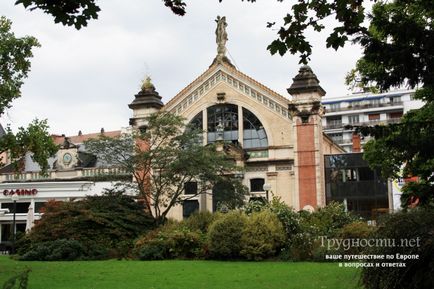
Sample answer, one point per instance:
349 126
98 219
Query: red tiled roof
76 139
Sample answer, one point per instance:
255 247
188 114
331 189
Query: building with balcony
364 109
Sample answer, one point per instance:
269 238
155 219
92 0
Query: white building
74 174
364 109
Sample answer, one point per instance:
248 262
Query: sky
85 79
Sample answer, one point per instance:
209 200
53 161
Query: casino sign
20 192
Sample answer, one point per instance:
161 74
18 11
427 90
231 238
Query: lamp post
14 228
266 187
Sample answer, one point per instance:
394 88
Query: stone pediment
223 73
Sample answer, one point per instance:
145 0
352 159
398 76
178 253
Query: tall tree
15 55
165 157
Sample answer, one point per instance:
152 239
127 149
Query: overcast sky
84 80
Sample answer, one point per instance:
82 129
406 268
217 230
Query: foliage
305 243
21 280
224 235
355 230
405 150
289 218
172 240
77 13
162 158
326 221
105 225
200 221
416 225
34 139
57 250
15 54
68 12
262 236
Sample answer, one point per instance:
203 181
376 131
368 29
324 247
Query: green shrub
172 240
326 221
417 224
105 225
224 235
154 250
355 230
307 229
57 250
184 243
287 216
200 221
262 236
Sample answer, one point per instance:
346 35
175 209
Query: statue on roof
221 36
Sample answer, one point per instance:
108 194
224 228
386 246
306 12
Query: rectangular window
334 121
375 116
189 207
39 206
396 99
190 188
335 106
374 102
353 119
22 208
257 185
397 114
350 175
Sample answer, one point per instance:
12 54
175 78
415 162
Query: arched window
225 118
196 122
254 132
223 123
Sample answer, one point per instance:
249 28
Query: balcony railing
78 173
366 123
363 106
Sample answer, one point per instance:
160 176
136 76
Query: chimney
356 143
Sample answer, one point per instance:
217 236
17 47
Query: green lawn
180 274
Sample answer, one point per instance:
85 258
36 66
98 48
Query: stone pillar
307 112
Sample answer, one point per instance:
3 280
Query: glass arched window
223 122
225 118
254 133
196 125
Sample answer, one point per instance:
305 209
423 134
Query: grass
177 274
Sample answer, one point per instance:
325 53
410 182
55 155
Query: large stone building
282 137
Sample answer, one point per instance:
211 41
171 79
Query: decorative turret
306 94
306 111
146 102
305 84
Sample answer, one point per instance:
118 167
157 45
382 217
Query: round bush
224 235
262 236
200 221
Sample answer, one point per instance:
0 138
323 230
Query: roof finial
147 83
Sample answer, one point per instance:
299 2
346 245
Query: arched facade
283 138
